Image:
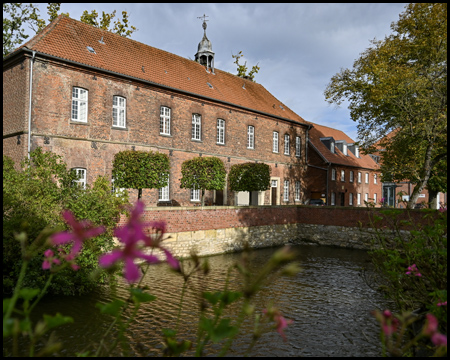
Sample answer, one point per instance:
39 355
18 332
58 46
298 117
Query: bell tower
205 55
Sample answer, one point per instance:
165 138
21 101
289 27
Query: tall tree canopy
203 173
16 15
400 83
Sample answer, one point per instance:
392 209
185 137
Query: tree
16 15
242 69
249 177
203 173
140 170
400 83
33 199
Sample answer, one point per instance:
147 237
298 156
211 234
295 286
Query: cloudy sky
299 47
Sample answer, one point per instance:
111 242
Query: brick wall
206 218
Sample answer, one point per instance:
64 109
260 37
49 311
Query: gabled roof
68 39
338 158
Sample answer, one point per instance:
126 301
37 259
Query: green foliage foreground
412 269
33 200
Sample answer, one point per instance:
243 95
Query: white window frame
221 131
275 138
286 144
297 190
79 104
358 198
117 191
298 144
82 180
333 198
286 190
195 194
342 175
164 120
367 178
351 176
333 174
163 193
374 178
375 198
119 111
359 177
196 127
366 197
250 137
350 199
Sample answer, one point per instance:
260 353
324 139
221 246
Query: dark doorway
219 197
342 199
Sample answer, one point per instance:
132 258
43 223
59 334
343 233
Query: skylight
209 85
91 49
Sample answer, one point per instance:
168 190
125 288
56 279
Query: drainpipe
29 107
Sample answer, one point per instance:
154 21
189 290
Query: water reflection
328 301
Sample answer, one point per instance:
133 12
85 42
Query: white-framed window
351 176
367 178
375 198
286 144
297 190
286 190
164 120
164 192
275 142
79 104
350 199
374 178
333 198
333 174
195 194
250 137
358 199
81 174
196 127
298 148
359 177
342 175
119 111
221 131
366 197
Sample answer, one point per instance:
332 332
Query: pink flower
134 229
441 303
49 260
81 231
389 323
439 339
280 321
443 209
154 241
431 325
412 270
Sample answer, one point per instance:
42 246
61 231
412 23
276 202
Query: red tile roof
68 39
320 131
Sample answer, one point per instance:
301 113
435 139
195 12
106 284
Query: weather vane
204 20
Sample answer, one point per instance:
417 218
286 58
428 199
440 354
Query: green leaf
223 330
28 294
111 308
139 296
57 320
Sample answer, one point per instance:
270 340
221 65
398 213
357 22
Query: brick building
337 172
86 94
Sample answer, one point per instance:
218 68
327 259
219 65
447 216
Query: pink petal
94 232
107 260
152 259
70 219
46 265
48 253
61 238
132 272
174 264
439 339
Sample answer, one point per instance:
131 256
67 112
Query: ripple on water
328 301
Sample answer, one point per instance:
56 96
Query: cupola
205 55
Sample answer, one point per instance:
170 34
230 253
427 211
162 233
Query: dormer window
329 143
342 146
354 149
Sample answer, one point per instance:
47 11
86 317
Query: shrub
34 199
